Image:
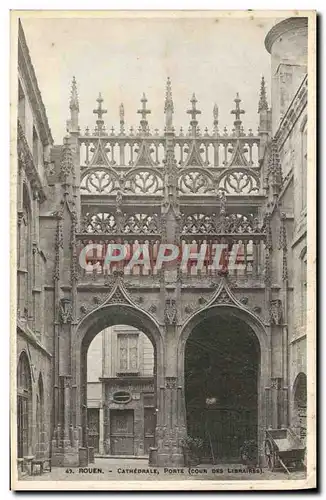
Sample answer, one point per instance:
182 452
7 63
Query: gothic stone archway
90 326
227 347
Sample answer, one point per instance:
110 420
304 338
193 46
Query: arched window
24 405
304 160
25 252
303 286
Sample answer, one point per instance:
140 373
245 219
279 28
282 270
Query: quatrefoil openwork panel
98 223
195 181
99 180
199 223
107 223
238 181
143 181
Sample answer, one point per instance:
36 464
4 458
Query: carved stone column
168 431
64 445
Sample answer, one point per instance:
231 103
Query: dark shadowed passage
221 371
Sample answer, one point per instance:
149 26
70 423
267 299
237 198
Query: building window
35 147
21 106
24 241
128 352
304 160
303 283
93 423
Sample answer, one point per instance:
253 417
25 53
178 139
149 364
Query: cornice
26 67
282 27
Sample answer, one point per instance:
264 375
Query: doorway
24 403
93 420
222 361
122 432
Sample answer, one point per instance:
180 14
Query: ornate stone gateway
191 189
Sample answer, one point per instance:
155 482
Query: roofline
282 27
26 67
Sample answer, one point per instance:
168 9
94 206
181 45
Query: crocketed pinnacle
122 112
215 113
74 104
168 105
66 162
274 164
262 105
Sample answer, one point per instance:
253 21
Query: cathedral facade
180 346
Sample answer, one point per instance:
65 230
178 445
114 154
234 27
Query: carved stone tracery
65 311
170 312
276 311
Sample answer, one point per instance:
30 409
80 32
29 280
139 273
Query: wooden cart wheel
270 455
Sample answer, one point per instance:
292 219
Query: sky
122 58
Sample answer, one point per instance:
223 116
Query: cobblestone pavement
112 469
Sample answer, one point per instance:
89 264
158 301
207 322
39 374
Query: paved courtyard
106 469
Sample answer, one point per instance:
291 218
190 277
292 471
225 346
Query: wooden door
122 432
93 423
149 428
22 426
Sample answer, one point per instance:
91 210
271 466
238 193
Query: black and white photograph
163 250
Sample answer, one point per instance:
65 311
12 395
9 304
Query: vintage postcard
163 250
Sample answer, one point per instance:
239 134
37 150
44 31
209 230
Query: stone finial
99 111
215 113
144 112
193 112
122 118
168 105
74 104
122 112
215 116
262 105
237 112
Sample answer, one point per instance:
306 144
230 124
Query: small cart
283 449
